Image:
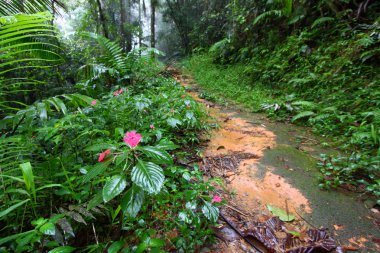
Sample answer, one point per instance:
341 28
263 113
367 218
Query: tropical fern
321 20
268 14
305 104
304 114
19 44
285 11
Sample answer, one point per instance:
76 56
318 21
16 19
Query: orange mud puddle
252 193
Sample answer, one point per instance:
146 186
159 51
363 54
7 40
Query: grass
230 82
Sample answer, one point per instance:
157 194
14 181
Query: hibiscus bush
101 173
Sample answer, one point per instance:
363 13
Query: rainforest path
264 162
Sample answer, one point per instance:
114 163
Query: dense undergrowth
327 81
97 169
97 191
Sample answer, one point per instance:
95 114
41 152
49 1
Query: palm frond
12 7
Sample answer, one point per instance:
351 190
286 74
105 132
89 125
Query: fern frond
321 20
305 104
269 14
305 114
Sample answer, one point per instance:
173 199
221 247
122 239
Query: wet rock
229 234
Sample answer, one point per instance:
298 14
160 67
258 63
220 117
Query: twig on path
96 237
305 219
240 234
236 210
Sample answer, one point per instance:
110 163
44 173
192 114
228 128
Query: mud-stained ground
268 163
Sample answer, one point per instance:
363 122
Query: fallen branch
239 233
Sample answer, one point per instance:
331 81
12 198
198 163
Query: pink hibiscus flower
132 138
151 126
93 102
103 155
216 199
118 92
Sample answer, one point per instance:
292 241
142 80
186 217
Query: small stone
229 174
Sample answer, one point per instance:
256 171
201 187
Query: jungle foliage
91 135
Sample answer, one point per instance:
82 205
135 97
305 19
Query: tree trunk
122 24
103 19
128 32
140 26
153 4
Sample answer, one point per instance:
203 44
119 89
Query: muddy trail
269 163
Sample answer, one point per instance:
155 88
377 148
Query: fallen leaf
280 213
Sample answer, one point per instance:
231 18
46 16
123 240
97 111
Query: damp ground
270 163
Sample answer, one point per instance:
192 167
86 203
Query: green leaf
48 229
280 213
114 187
210 211
10 209
100 147
173 122
159 155
27 173
115 247
166 145
62 249
132 201
148 176
48 186
13 237
42 110
98 169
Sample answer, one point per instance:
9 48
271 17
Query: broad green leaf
210 211
183 216
148 176
95 201
48 229
166 145
60 104
159 155
115 247
114 187
42 111
14 237
62 249
132 201
10 209
280 213
96 170
173 122
27 173
100 147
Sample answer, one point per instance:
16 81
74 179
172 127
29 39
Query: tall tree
103 19
122 24
153 6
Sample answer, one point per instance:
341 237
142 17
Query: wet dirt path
264 162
